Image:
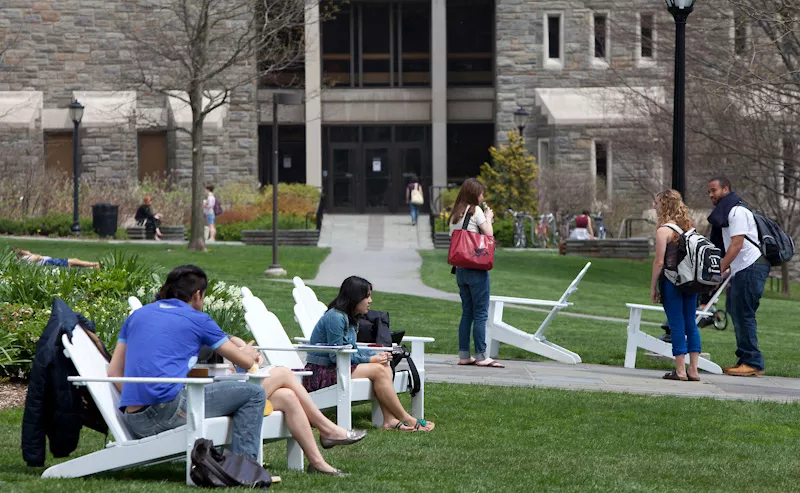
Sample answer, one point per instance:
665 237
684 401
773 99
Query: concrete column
313 97
439 90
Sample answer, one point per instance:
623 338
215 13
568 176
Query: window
544 154
152 155
739 35
470 42
58 154
600 36
467 149
646 37
602 170
553 40
377 45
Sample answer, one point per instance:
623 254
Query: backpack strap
674 227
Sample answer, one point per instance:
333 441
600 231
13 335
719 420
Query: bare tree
202 51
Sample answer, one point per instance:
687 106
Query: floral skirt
324 376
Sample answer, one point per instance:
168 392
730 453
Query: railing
626 227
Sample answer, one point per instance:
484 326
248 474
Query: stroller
707 303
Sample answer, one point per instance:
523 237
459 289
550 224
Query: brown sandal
673 375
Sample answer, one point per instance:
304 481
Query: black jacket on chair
54 407
373 327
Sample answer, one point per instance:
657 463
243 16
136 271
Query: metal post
679 114
275 267
76 223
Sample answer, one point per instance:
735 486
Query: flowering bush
27 292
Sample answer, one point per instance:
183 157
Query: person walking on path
337 327
414 198
473 285
679 306
734 231
208 209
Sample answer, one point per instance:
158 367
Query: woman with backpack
679 305
209 209
414 198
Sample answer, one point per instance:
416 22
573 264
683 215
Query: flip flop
399 427
421 423
467 364
673 375
493 364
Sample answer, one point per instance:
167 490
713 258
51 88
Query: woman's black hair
183 282
585 212
353 290
413 179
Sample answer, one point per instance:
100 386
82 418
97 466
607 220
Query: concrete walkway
442 368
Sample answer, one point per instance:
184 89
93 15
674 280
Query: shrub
511 177
27 292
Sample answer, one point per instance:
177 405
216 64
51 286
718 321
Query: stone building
391 89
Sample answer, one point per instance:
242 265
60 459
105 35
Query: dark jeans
414 212
474 288
746 289
680 309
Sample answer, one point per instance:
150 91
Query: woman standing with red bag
473 284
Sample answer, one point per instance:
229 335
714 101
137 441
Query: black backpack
215 469
775 245
373 328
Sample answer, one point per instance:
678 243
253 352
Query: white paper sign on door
287 161
376 164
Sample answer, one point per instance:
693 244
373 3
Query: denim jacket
334 329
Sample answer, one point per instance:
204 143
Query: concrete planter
632 248
174 233
441 240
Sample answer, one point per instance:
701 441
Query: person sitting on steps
163 339
145 217
337 327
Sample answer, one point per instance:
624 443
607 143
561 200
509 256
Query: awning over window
182 112
598 105
106 108
20 108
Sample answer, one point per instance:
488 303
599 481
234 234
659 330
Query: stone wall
71 46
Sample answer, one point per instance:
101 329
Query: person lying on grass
37 259
163 339
337 327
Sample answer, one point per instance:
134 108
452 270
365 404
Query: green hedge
233 231
60 225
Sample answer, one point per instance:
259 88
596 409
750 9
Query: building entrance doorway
368 168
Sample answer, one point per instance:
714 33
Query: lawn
608 285
537 440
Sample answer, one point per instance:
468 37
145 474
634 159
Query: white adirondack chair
278 349
307 309
498 331
126 451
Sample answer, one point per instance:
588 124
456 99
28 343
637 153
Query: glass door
378 178
344 179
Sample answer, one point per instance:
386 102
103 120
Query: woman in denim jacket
337 327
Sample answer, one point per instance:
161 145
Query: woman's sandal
470 362
399 427
422 425
693 379
491 364
673 375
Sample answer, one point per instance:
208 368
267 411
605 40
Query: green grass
608 285
512 439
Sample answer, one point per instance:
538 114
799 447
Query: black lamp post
289 99
75 114
680 10
521 119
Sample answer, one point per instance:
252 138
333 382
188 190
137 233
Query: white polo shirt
742 222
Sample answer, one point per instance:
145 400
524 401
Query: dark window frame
600 36
647 36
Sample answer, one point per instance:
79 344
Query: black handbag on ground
214 469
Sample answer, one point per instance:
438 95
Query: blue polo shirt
162 340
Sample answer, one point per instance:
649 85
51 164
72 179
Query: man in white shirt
749 271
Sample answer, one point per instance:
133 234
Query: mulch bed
12 394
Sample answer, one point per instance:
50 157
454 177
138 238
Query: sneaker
666 338
744 371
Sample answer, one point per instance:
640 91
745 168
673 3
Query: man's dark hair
723 181
183 282
210 188
354 289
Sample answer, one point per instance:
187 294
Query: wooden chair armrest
187 381
528 301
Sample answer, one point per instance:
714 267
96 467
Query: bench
441 240
296 237
638 339
630 248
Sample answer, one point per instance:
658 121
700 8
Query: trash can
104 219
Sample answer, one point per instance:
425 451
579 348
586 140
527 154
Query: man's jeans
473 286
680 309
241 400
747 286
414 212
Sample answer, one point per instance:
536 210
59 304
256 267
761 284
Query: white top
474 222
742 222
209 203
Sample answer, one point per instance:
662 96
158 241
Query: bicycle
519 228
541 231
601 233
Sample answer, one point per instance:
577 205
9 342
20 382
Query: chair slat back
268 331
134 303
310 308
90 363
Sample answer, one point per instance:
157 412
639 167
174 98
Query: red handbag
470 250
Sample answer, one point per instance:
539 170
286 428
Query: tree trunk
786 289
197 239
